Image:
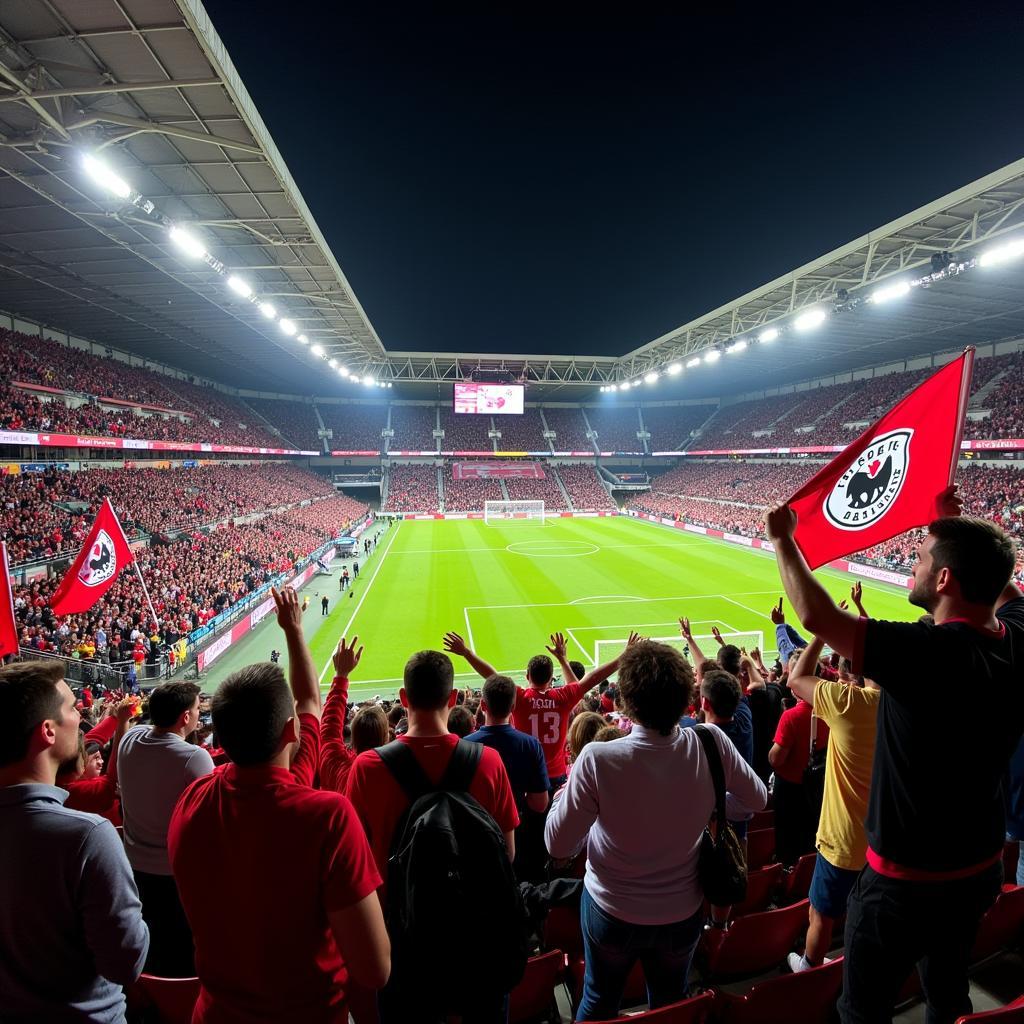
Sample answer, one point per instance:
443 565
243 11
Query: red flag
8 624
105 554
887 481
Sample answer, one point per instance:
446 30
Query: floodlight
239 286
695 361
288 327
343 370
187 243
332 363
809 320
625 385
712 355
369 381
768 335
737 346
675 368
890 291
303 339
317 350
389 383
104 176
1002 253
650 378
268 310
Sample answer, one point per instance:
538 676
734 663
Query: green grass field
507 587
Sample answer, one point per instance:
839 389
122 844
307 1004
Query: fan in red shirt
269 952
541 709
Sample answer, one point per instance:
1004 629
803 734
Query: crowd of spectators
670 426
616 427
569 428
357 427
413 427
466 432
522 433
586 492
412 487
1007 408
469 495
296 421
45 515
533 489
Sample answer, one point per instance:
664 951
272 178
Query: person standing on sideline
935 824
324 604
71 927
355 570
157 765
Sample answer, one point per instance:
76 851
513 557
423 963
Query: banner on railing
497 471
135 444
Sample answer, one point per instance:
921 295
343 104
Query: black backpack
454 909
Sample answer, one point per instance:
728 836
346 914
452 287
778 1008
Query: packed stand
616 428
1007 407
466 432
296 420
413 427
569 428
412 488
146 501
546 490
469 495
586 492
356 427
522 433
670 426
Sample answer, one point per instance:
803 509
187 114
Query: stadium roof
149 85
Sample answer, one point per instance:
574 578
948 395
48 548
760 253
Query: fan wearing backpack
440 816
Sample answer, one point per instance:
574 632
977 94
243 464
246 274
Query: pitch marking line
359 603
615 600
583 649
606 597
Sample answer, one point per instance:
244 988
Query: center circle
553 548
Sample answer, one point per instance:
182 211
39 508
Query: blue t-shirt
522 755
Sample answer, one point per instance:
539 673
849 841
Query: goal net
513 512
606 650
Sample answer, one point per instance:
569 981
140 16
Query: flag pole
961 411
142 583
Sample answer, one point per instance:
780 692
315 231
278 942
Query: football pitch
506 587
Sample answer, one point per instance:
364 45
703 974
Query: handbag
721 863
814 774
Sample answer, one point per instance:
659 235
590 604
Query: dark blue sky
578 184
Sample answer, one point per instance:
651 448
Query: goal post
513 512
606 650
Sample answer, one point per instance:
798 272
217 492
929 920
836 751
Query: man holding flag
935 816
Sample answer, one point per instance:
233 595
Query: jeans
891 925
171 951
1020 864
612 947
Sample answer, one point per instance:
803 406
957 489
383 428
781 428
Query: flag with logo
8 624
105 554
888 480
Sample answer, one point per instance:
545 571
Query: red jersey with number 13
544 714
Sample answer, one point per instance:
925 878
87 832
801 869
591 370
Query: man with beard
935 816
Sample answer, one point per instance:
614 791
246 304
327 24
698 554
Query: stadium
181 349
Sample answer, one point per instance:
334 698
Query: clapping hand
346 657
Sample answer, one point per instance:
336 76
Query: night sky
578 185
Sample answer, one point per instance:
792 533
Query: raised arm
695 652
301 674
123 715
857 597
559 651
454 644
803 679
812 603
598 675
335 757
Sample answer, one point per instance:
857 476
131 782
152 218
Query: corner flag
887 481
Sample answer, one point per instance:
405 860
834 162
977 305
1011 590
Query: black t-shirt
935 802
765 711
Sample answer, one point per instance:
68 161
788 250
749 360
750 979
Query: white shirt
153 770
642 803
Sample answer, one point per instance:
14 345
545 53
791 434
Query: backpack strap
462 765
403 765
714 759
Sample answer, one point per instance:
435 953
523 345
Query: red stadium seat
760 847
1012 1013
798 878
755 943
808 997
763 886
1002 926
173 998
534 996
689 1011
562 931
762 819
